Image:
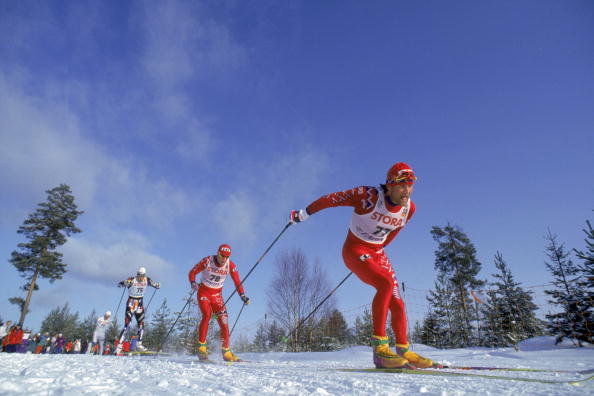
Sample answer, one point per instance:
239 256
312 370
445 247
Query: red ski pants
209 301
373 267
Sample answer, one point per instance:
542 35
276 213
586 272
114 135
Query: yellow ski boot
228 356
202 351
383 357
414 358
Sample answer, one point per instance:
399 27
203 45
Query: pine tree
516 311
46 229
87 326
586 286
416 335
566 293
187 327
439 327
431 332
455 257
363 328
159 326
260 343
61 320
275 337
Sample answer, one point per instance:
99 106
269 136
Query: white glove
297 216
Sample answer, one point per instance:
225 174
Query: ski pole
174 323
149 303
120 303
320 304
236 320
258 262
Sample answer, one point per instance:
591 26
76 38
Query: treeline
468 311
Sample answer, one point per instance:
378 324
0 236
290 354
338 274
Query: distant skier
379 215
214 272
101 327
137 286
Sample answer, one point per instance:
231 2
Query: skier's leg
140 322
101 344
373 269
206 310
127 320
218 305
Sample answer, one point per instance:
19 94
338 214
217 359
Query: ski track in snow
278 373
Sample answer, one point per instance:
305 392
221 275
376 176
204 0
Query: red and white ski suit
375 223
210 298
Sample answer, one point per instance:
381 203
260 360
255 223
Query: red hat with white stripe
225 250
400 173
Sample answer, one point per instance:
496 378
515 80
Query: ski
436 373
533 370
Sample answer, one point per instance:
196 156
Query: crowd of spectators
15 340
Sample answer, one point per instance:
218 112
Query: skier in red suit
214 271
379 215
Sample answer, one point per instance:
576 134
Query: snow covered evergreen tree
159 326
363 328
260 343
510 312
61 320
442 317
275 337
566 295
187 328
87 326
586 285
455 258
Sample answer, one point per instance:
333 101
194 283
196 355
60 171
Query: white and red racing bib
214 276
138 288
374 227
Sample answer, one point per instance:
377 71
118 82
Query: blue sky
181 125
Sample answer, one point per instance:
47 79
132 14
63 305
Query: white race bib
375 226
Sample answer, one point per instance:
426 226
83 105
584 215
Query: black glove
244 298
194 285
122 284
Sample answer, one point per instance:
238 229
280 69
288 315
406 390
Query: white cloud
43 145
183 42
235 215
267 190
110 263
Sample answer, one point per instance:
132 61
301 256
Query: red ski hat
400 173
225 250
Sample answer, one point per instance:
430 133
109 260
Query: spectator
47 348
77 346
24 345
15 337
60 343
52 349
68 348
133 343
40 343
4 329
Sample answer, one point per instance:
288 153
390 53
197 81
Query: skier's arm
126 283
154 284
235 276
361 198
196 270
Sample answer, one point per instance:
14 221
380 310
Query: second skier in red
214 271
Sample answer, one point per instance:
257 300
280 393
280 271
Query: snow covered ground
292 373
